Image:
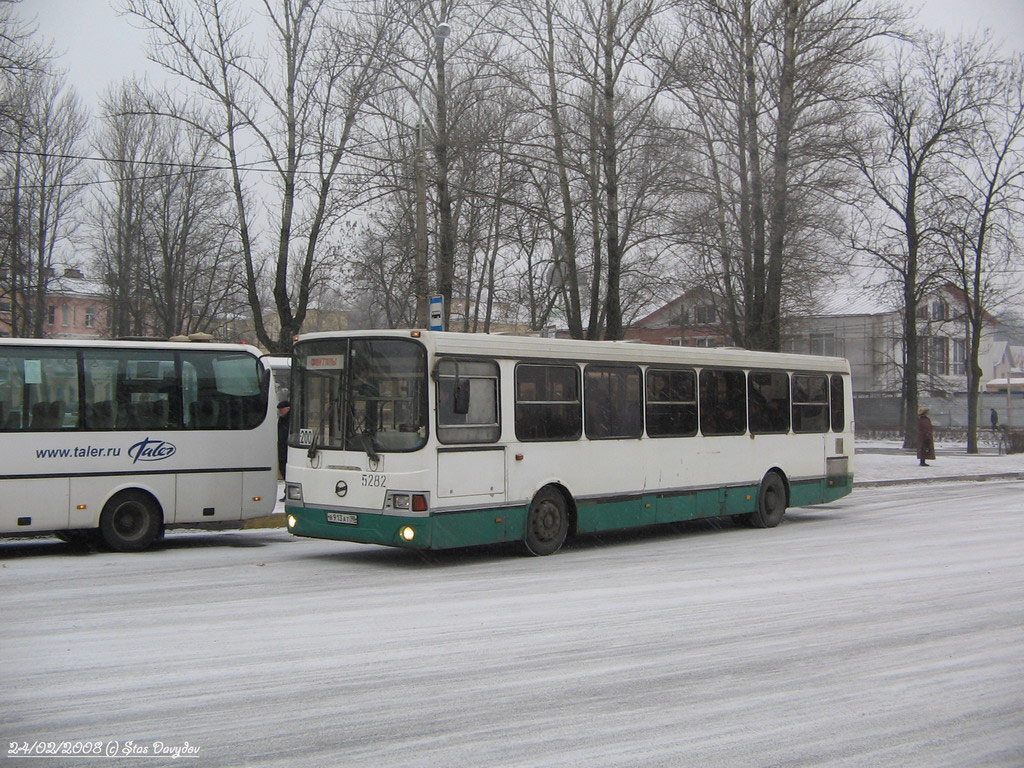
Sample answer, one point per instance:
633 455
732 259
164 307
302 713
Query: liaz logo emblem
151 450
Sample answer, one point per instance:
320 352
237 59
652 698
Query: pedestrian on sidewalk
925 437
995 420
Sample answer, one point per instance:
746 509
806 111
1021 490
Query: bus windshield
365 395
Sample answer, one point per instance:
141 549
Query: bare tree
980 213
292 107
129 142
770 86
926 105
43 165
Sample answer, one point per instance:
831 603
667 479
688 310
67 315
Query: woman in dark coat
925 440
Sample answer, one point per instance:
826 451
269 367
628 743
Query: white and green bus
116 441
439 440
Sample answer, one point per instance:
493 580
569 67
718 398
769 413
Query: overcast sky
99 47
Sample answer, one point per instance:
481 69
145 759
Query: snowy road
882 630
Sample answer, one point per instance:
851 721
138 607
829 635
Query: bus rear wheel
547 523
771 503
130 521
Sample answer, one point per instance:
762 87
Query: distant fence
1004 439
880 412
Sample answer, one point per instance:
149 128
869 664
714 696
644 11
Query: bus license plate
342 517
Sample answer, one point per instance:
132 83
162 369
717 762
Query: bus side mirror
460 397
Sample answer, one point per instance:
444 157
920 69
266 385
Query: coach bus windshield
360 395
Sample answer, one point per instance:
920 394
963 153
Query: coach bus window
723 408
810 403
613 403
480 424
768 402
838 404
548 402
38 389
222 391
130 389
671 403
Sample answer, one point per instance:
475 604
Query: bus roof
114 344
527 347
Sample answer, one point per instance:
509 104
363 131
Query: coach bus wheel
547 523
771 503
130 522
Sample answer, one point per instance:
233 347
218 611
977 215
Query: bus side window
723 407
768 393
838 403
671 403
39 389
474 420
810 403
548 403
612 401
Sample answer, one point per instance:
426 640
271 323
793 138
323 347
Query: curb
948 479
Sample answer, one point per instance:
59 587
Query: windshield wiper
367 439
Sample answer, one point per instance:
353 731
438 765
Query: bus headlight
292 522
293 492
407 533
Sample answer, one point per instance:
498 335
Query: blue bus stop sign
437 313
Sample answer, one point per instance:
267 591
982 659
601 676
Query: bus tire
547 523
130 521
771 503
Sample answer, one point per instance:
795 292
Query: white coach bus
119 440
439 440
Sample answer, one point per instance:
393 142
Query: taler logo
341 488
151 450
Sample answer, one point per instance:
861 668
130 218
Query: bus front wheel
547 523
771 503
131 521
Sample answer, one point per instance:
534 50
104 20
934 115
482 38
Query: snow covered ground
881 461
884 629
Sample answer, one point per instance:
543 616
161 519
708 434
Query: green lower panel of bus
439 531
448 530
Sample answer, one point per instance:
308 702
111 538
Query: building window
704 314
51 314
705 341
940 310
959 367
65 315
90 317
939 356
5 306
824 344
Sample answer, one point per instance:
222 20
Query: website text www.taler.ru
76 452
